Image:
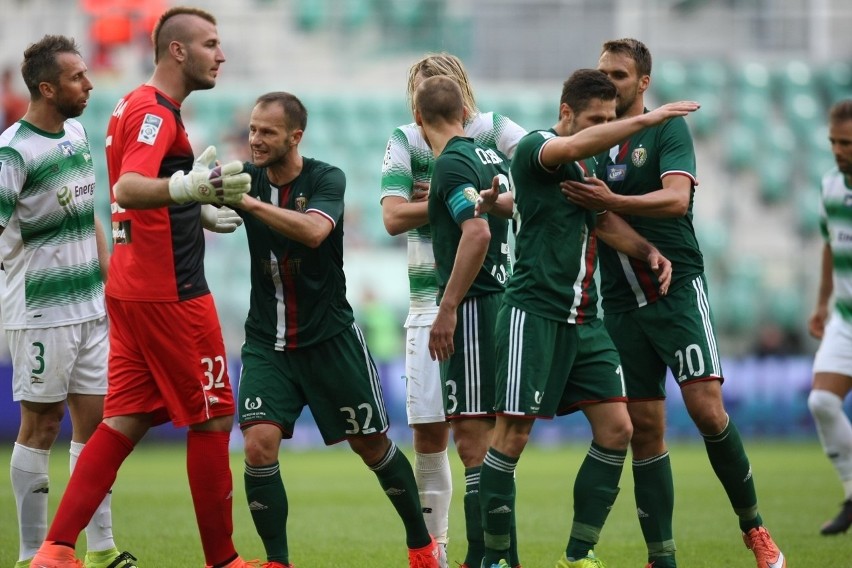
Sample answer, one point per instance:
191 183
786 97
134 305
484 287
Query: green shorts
546 367
336 379
675 332
468 375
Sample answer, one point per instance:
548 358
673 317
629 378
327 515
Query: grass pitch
339 516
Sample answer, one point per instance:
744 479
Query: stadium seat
708 119
311 15
708 75
807 210
836 80
740 146
736 308
804 112
356 13
775 175
669 81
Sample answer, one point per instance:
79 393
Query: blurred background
765 72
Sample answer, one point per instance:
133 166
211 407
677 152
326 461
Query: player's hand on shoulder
208 182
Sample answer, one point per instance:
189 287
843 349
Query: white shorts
424 400
51 363
835 352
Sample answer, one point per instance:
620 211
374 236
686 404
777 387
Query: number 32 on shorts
214 372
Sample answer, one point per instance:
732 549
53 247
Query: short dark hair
840 111
295 113
439 98
40 63
166 30
634 49
585 85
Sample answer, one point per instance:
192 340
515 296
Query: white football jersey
47 211
408 159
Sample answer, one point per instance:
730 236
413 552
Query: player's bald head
176 24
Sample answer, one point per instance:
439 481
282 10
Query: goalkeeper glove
219 219
208 183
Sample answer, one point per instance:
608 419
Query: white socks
435 486
99 529
28 470
835 433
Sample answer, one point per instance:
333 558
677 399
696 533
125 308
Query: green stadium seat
753 77
753 109
785 307
740 146
405 13
807 210
804 112
669 81
311 15
356 13
713 239
707 120
708 75
797 76
836 80
775 175
737 307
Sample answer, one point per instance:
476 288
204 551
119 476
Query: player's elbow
314 240
679 208
392 225
122 199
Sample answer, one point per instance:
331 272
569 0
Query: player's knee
259 449
824 404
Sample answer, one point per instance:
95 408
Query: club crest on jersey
639 156
150 128
301 203
66 148
471 194
847 200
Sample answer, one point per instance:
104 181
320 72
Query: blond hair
445 65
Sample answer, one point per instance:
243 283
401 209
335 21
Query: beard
625 101
198 79
70 109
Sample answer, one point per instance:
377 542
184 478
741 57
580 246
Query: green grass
340 518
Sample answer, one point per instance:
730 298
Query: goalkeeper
167 356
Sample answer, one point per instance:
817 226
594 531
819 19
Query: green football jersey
836 228
636 167
556 248
461 171
298 293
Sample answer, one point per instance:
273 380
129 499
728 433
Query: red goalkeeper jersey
158 254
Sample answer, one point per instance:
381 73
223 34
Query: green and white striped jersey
836 228
408 159
48 246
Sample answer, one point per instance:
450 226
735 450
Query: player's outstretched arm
136 191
